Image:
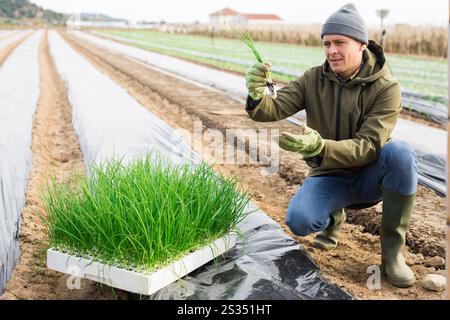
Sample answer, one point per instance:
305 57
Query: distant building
227 15
257 19
222 17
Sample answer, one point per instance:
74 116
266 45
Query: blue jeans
395 170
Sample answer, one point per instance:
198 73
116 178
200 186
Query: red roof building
224 12
227 16
263 16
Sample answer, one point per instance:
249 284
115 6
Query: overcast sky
416 12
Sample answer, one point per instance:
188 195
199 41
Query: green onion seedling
247 39
145 214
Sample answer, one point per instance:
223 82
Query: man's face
344 54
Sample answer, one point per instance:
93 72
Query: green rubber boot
328 239
395 220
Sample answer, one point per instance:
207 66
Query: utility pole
382 13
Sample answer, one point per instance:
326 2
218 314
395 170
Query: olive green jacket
356 118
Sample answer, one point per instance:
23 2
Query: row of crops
16 120
7 33
9 37
428 139
424 81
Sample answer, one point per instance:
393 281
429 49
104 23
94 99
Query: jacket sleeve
290 100
374 133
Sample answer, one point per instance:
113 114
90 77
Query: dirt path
181 104
56 152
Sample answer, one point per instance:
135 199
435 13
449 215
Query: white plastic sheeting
10 39
426 140
421 137
108 121
230 83
6 33
19 91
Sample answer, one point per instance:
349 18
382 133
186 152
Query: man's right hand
256 79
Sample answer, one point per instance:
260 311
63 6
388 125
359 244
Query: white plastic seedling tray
130 280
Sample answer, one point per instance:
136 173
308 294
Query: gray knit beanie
346 21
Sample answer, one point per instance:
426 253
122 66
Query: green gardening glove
256 79
309 143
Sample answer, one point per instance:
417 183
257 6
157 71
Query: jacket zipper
350 125
338 110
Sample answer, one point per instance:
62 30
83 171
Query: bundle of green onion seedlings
143 215
245 37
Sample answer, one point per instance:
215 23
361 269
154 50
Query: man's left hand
309 143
